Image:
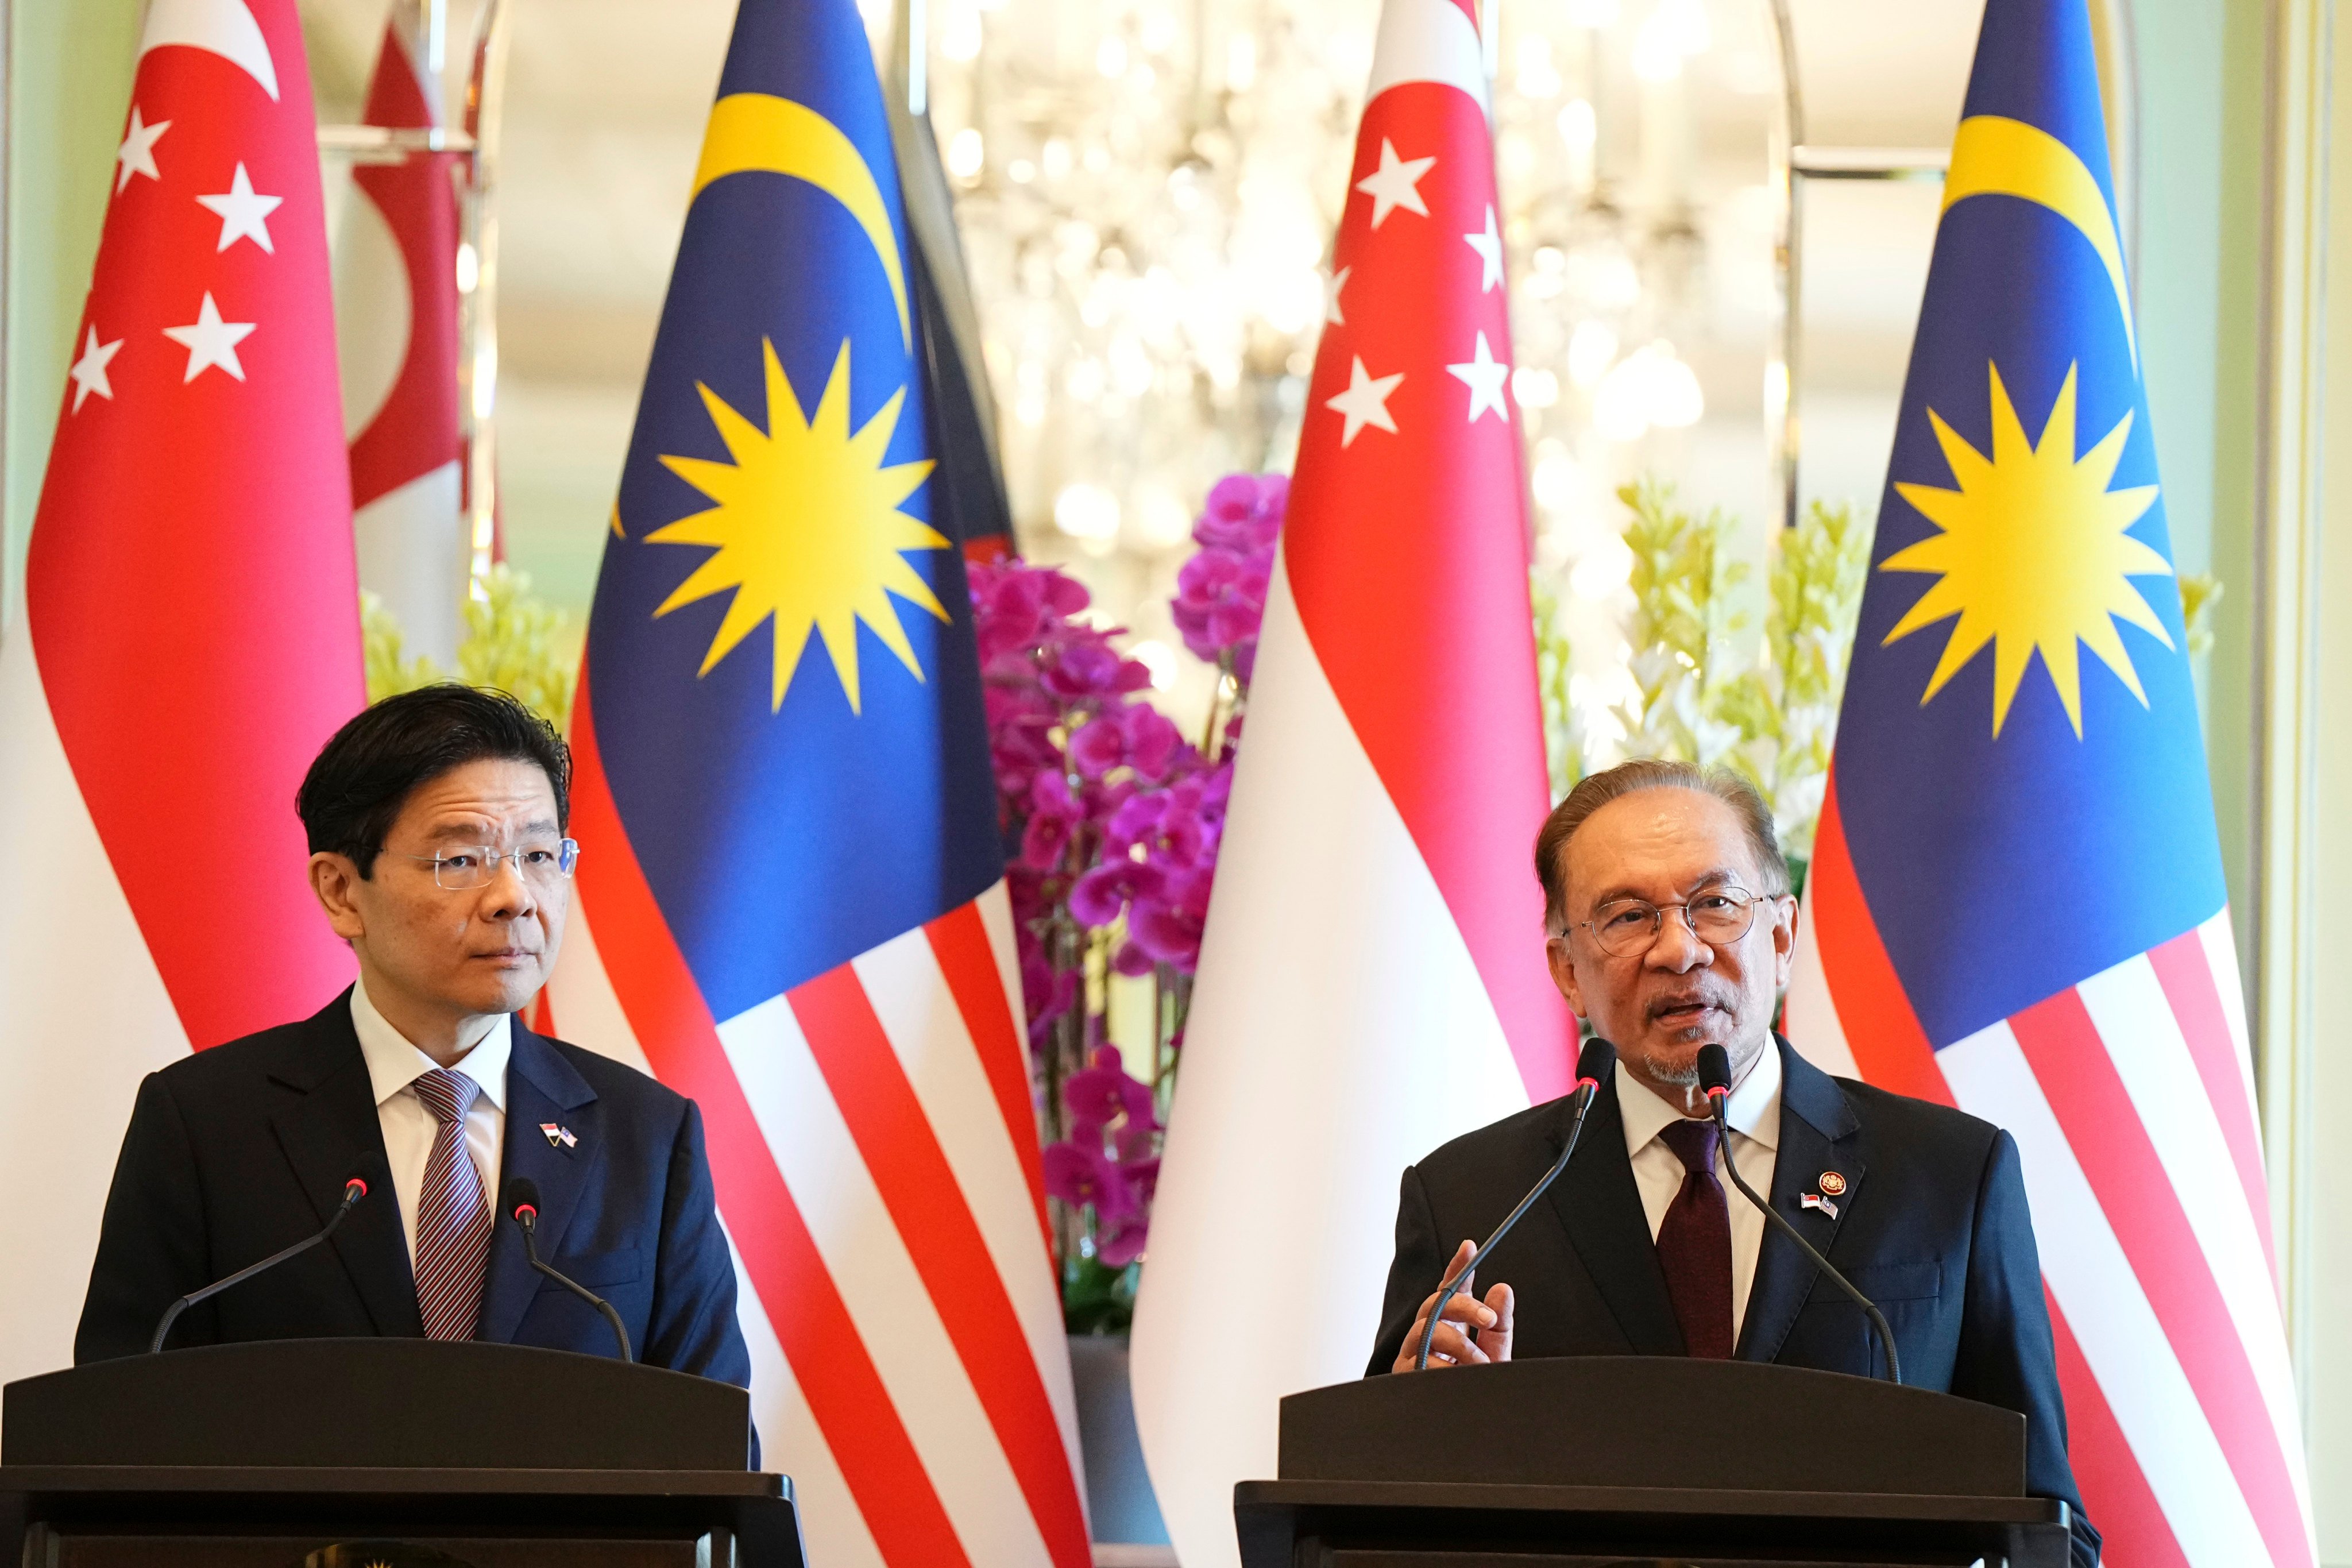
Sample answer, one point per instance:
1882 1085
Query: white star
1331 287
1366 400
136 153
245 216
1485 377
1489 246
88 373
210 341
1395 184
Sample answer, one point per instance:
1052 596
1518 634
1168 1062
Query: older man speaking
436 825
1671 928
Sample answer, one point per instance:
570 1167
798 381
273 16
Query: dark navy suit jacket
1933 1226
245 1148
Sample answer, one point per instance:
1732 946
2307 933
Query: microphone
522 1204
1715 1078
1596 1061
354 1191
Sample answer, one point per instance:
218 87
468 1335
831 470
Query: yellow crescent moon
1993 155
754 132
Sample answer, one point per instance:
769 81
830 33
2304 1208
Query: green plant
1698 695
514 641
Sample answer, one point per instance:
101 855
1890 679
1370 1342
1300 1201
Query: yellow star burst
2033 555
806 529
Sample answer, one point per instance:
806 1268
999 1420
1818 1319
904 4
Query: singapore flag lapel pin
558 1137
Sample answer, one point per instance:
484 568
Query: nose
509 895
1677 948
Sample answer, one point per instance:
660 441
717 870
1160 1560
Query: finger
1496 1340
1471 1311
1456 1346
1409 1352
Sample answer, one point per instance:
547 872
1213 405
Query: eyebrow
1705 880
474 832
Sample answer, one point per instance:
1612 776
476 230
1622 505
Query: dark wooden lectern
383 1454
1635 1461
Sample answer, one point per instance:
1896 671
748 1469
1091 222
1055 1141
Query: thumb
1462 1256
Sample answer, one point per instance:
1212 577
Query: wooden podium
1646 1462
383 1453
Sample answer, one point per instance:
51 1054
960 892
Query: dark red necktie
1695 1242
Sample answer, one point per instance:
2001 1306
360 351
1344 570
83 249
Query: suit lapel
1596 1201
326 1122
1817 1126
542 1090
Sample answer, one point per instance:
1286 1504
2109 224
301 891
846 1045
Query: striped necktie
453 1217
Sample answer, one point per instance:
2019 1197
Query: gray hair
1630 777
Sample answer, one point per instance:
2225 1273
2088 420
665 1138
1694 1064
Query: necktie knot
448 1095
1692 1140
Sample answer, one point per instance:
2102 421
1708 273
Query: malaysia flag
1372 979
790 898
191 638
2016 903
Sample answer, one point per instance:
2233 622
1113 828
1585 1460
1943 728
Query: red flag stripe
2186 974
2069 1057
960 941
819 1338
1889 1047
919 1187
2132 1525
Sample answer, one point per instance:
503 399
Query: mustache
1690 996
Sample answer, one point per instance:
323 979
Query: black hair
1597 790
355 790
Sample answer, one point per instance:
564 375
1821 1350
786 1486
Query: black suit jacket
242 1150
1933 1227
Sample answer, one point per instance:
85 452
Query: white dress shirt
394 1065
1754 1113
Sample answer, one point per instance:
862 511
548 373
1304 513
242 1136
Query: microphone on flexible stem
522 1204
1715 1078
354 1191
1596 1061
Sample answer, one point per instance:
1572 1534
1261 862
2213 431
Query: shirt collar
1754 1110
394 1063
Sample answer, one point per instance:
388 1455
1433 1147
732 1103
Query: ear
1784 940
1558 953
335 881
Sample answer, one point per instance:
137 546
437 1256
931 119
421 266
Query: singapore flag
190 639
1372 978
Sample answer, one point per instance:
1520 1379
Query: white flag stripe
833 1531
1305 1092
2221 956
926 1032
2087 1270
1810 1017
580 994
62 1110
875 1275
1003 945
2144 1039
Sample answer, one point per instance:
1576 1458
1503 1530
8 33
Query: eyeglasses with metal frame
542 865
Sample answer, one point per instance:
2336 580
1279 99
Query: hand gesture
1472 1332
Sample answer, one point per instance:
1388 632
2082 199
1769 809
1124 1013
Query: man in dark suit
1671 928
435 821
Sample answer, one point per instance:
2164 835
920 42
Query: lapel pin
558 1137
1832 1184
1815 1201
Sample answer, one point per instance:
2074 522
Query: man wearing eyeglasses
437 823
1670 927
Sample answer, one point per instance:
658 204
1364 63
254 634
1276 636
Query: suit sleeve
1419 1264
693 1326
2006 1354
152 1249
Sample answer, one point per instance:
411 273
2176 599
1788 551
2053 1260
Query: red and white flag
191 638
396 323
1372 979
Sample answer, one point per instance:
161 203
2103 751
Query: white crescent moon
223 26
